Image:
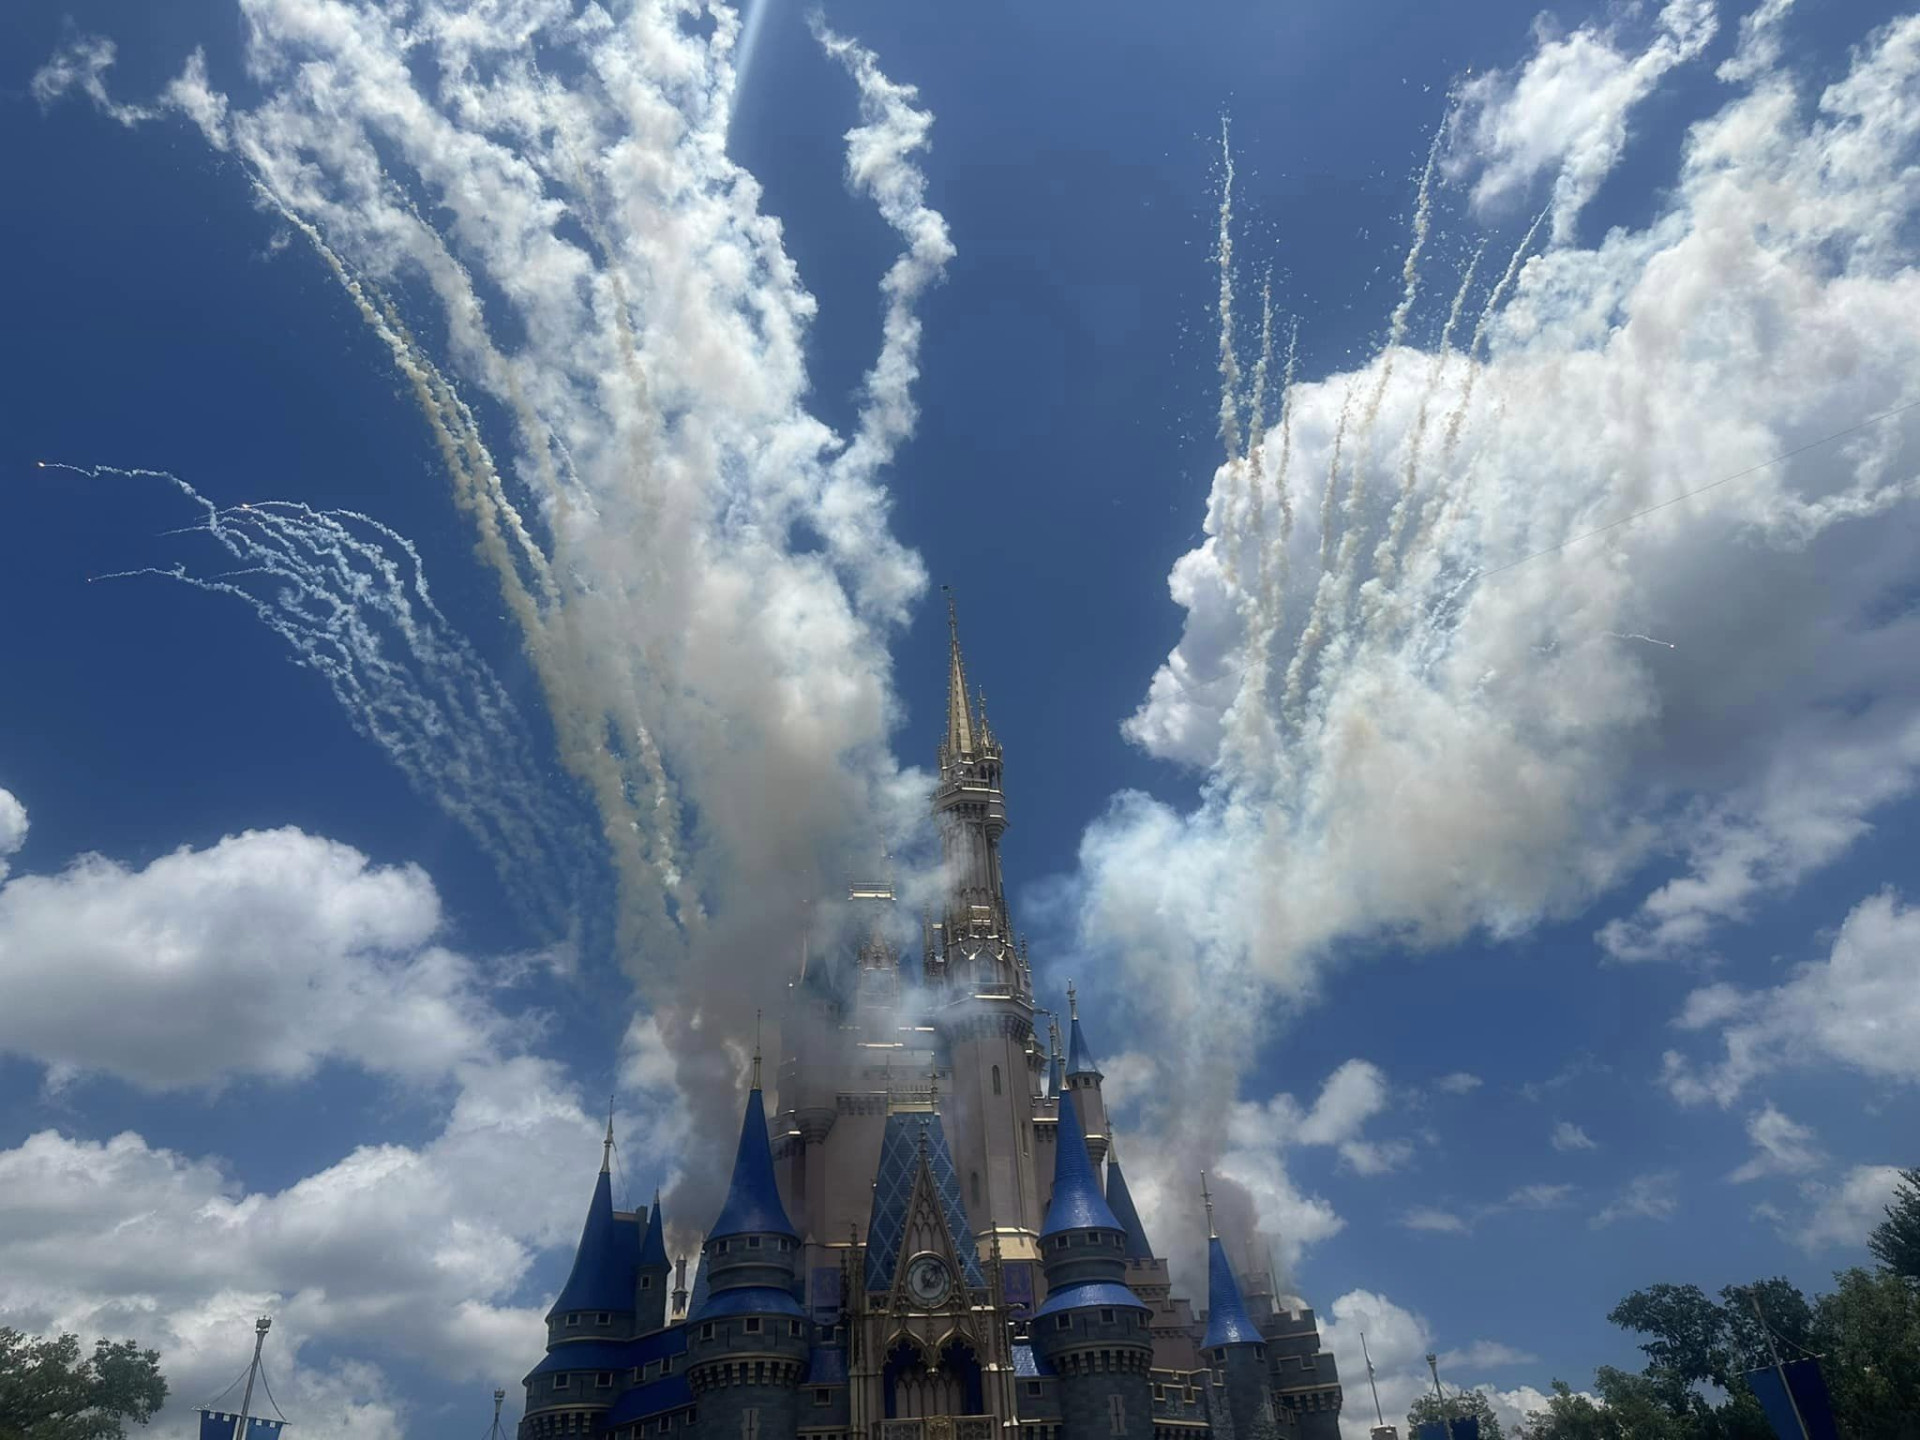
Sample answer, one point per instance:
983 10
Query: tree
1458 1406
1867 1332
1895 1241
48 1391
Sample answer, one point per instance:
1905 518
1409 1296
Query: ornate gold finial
756 1049
1206 1198
1073 1002
606 1152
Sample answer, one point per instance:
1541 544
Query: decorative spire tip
1206 1198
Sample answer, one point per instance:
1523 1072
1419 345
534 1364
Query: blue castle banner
1809 1392
1467 1427
218 1425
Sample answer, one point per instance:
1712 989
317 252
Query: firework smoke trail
1474 346
1386 554
407 680
1326 620
1229 361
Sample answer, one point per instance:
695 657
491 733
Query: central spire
974 938
959 713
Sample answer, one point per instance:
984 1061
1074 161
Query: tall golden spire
959 712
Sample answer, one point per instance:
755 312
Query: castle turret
1083 1083
652 1280
747 1349
1092 1331
590 1320
1120 1201
1233 1345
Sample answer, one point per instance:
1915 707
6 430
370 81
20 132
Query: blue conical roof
1079 1054
653 1249
1120 1201
753 1199
1227 1320
599 1280
1077 1203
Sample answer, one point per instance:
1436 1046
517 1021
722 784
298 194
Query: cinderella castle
931 1238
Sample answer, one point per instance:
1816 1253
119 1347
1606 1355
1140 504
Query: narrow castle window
750 1424
605 1380
1117 1414
996 1079
602 1318
1106 1317
573 1318
975 1178
560 1382
646 1282
753 1242
823 1397
1033 1387
706 1331
753 1325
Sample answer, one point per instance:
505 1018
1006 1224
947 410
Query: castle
933 1238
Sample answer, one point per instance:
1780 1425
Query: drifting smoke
701 571
1396 676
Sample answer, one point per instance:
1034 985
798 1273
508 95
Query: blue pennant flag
1809 1393
1467 1427
219 1425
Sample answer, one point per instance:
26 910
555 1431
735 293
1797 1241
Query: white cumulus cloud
1842 1214
265 953
1860 1008
1781 1146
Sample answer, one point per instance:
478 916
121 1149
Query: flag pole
1379 1418
1753 1299
260 1328
1433 1364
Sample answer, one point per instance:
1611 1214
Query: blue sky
1507 940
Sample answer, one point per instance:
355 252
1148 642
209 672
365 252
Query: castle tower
1083 1083
747 1341
1092 1331
1233 1346
590 1320
985 1021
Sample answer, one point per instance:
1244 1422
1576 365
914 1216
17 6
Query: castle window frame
753 1242
822 1397
793 1328
1106 1316
751 1325
562 1381
996 1079
706 1330
604 1380
1063 1322
603 1318
1117 1414
646 1282
666 1365
573 1318
1033 1387
719 1247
